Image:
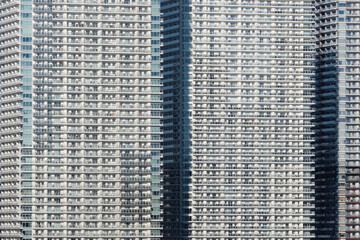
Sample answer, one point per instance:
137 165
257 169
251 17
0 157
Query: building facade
238 132
337 119
80 110
80 119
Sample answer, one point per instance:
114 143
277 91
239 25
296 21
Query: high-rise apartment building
238 154
80 128
80 119
337 119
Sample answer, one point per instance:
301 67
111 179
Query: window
27 104
26 47
26 39
26 64
26 15
27 120
26 7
